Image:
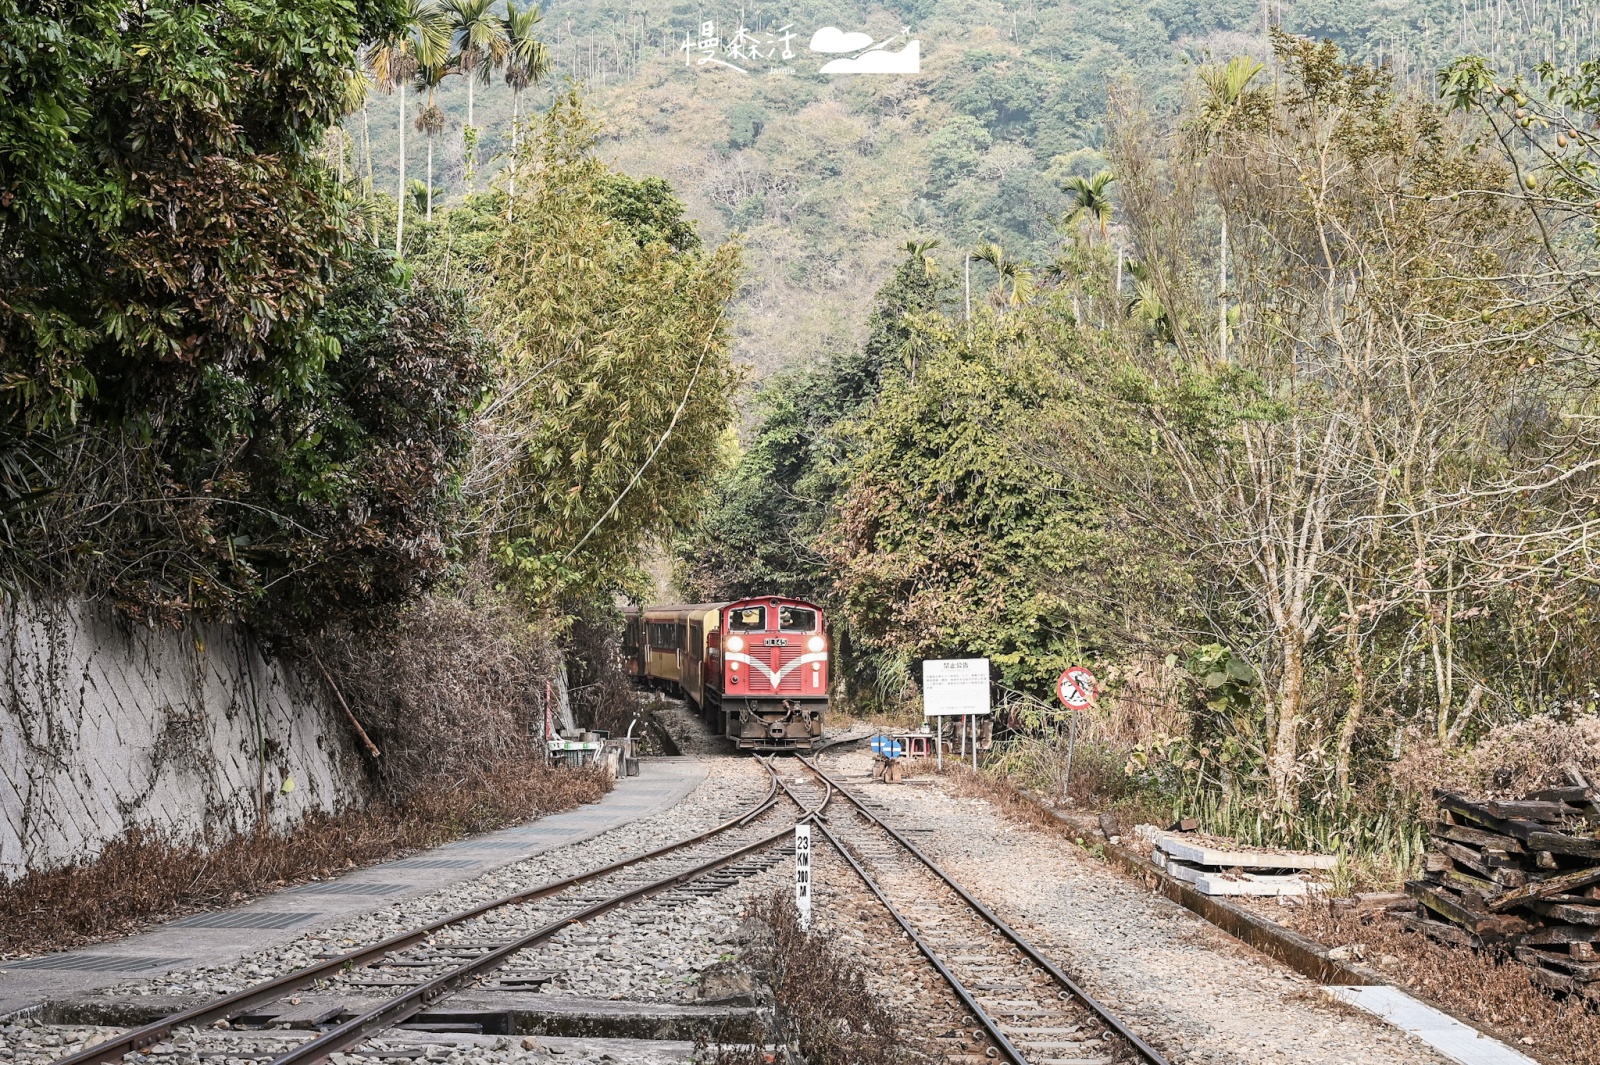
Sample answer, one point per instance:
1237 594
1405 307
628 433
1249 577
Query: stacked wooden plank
1523 875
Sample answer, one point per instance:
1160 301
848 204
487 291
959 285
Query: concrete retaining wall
193 734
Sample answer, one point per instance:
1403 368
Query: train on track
755 669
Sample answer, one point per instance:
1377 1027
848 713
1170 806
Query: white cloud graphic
907 60
833 39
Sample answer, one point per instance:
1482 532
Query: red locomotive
756 669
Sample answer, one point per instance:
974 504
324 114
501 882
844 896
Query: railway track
1020 1006
419 968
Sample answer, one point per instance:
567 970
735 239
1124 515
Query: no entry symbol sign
1075 688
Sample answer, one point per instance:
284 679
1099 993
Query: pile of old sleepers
1522 875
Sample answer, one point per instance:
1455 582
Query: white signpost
955 687
802 873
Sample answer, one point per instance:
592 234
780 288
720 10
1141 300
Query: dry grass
140 879
460 680
1507 763
823 1008
1491 991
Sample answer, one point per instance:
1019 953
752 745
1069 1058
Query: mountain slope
825 176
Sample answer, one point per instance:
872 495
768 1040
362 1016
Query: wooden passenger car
756 669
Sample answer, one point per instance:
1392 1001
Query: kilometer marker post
802 874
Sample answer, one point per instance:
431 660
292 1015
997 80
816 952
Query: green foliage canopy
219 401
949 540
616 386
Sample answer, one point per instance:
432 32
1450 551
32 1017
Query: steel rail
966 997
809 814
1145 1050
237 1002
414 1000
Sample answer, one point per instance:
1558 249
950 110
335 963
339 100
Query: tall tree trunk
470 137
400 197
511 192
430 177
367 187
1222 292
1286 740
1358 695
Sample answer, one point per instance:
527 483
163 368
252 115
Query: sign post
956 687
1076 688
802 874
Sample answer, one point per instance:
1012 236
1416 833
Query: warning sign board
1076 688
955 687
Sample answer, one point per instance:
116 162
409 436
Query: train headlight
816 643
736 643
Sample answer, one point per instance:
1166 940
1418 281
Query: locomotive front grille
782 657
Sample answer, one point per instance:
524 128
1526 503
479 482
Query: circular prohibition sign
1076 688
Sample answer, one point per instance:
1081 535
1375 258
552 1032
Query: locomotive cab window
796 619
747 619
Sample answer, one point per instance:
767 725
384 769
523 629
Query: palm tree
417 195
394 64
922 250
354 91
1089 199
482 42
432 68
527 62
1146 308
1013 272
1227 87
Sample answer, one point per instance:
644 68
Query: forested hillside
825 176
1291 441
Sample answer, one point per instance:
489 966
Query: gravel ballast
1189 989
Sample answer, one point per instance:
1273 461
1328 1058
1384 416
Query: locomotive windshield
748 619
796 619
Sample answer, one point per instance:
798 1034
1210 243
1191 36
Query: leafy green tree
354 478
615 383
759 527
230 406
948 540
1090 200
1013 278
